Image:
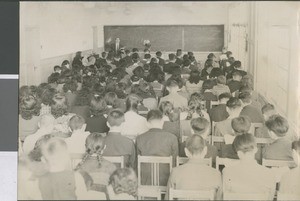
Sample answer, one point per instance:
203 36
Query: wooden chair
146 192
76 158
213 103
219 139
154 161
213 125
254 126
182 160
283 196
191 194
246 196
278 163
225 161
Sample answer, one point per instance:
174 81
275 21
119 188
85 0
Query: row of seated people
82 100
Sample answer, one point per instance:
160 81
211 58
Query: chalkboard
198 38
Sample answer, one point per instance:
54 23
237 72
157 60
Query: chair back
246 196
191 194
283 196
225 161
254 126
147 192
278 163
154 162
182 160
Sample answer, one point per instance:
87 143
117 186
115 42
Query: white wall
66 27
277 62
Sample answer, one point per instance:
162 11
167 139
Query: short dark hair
147 56
53 78
158 54
56 68
195 144
29 107
224 95
194 77
172 56
154 114
115 118
245 143
172 83
233 103
199 125
241 124
237 64
186 62
221 79
245 97
278 124
135 49
211 55
98 105
245 88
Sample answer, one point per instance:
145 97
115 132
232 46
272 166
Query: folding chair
146 192
191 194
283 196
278 163
182 160
225 161
246 196
154 161
254 126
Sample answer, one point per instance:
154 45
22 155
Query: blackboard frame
175 25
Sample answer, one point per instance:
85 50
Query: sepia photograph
159 100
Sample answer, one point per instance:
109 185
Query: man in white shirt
46 126
247 176
76 143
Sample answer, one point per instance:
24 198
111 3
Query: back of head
241 125
135 50
221 79
171 83
55 150
244 143
98 105
94 143
195 144
200 125
245 88
158 54
172 57
194 77
166 107
132 102
233 103
110 98
154 115
207 84
237 64
224 96
278 124
147 56
186 63
124 180
115 118
76 122
268 108
245 97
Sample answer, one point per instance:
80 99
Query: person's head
221 79
29 106
224 97
47 123
53 78
172 57
195 147
135 50
236 75
77 123
207 84
278 126
57 69
70 86
178 52
245 146
245 88
132 102
115 119
237 64
296 152
194 77
212 56
94 144
247 80
59 105
234 106
241 125
229 54
268 110
98 105
186 63
166 107
154 119
139 71
110 99
158 54
246 98
172 86
55 154
147 56
200 126
65 64
124 180
47 95
103 55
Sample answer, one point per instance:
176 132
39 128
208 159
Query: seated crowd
119 104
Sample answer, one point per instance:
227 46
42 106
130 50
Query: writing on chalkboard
198 38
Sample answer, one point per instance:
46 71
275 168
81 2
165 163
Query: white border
9 76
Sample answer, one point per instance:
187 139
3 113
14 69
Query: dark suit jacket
218 113
156 142
179 61
234 85
169 67
280 149
97 124
253 113
161 62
